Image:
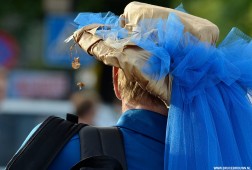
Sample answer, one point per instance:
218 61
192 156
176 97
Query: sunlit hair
131 91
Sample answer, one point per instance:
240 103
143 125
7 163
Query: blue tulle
86 18
210 117
181 8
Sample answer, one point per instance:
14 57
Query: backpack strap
98 162
44 145
101 148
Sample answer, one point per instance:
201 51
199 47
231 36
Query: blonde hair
132 91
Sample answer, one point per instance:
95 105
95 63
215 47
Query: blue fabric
210 117
87 18
209 122
68 156
144 139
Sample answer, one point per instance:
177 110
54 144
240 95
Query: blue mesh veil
210 116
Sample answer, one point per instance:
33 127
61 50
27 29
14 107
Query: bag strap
101 148
99 162
44 145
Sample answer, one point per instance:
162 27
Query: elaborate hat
210 112
125 53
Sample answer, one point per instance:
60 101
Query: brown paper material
131 58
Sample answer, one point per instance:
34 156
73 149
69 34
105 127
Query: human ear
115 82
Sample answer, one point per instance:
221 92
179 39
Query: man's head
132 94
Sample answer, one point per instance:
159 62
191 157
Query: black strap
43 146
72 118
99 162
102 147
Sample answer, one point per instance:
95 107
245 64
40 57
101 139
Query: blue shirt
144 141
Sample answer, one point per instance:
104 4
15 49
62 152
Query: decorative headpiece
138 20
210 113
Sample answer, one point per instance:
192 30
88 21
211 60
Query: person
91 110
3 82
84 108
142 124
164 58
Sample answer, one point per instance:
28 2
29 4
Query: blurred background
36 77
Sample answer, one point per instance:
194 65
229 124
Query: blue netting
209 121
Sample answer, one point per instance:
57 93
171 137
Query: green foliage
16 16
24 19
115 6
224 13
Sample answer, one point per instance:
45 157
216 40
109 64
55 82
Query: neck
158 109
